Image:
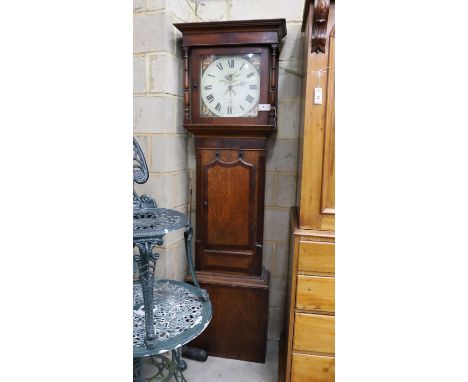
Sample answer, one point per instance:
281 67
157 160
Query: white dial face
230 87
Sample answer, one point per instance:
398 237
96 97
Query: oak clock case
230 79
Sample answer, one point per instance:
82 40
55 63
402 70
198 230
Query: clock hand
230 90
230 77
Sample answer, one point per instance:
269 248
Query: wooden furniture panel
314 333
230 209
239 328
313 368
226 206
228 261
328 182
316 175
316 257
315 293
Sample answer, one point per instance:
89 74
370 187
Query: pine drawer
316 257
315 293
314 333
312 368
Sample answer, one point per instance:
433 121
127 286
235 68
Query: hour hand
230 77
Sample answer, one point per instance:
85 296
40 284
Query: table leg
188 234
146 261
180 365
137 369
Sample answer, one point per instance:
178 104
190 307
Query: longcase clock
230 104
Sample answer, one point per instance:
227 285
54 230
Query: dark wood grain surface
239 326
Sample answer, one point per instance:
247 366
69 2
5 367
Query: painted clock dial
230 86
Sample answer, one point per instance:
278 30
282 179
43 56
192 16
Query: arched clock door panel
228 237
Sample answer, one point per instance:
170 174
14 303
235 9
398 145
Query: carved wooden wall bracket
319 25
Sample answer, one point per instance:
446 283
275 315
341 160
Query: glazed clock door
228 84
229 230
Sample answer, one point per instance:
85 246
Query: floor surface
230 370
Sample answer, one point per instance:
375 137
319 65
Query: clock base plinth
238 329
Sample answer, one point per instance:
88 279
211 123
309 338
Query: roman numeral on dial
218 106
253 87
231 63
229 110
250 75
210 98
249 98
208 87
220 66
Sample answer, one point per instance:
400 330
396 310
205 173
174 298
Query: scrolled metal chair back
140 176
140 168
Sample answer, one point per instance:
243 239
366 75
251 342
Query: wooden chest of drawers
308 343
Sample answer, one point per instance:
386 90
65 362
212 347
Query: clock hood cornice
232 33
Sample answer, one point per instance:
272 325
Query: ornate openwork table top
179 316
156 222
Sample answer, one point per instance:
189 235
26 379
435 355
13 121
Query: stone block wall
170 152
158 118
